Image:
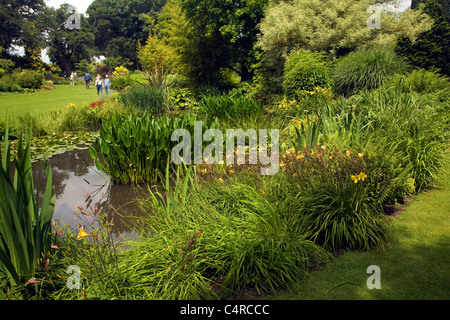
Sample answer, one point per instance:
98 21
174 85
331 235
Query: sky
81 5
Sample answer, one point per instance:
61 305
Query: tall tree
226 32
169 41
332 27
117 26
432 47
68 46
443 12
22 23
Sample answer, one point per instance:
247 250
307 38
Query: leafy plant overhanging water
25 225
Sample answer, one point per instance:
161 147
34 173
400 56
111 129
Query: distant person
88 79
107 84
72 75
99 84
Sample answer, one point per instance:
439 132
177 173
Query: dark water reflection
78 182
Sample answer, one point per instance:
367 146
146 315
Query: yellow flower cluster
71 105
360 176
118 71
286 104
318 91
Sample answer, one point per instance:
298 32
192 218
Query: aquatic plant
136 149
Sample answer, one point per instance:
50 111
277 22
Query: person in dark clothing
88 79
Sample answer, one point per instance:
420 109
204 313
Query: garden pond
77 182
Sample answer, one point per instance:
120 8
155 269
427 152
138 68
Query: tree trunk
246 75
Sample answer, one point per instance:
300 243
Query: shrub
421 81
305 70
333 193
146 98
10 87
121 83
367 69
30 79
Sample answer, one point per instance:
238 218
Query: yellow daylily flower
82 234
362 176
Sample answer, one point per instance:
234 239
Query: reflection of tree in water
116 200
120 202
77 162
63 166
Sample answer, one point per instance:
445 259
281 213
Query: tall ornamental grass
414 125
203 245
146 98
367 69
224 106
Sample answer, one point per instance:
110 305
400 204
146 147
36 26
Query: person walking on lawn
107 84
99 84
88 79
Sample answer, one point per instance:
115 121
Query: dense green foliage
360 131
22 23
30 79
67 47
225 36
117 26
305 70
225 106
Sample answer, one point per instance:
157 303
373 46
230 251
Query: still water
78 182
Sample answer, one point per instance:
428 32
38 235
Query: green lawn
45 101
416 267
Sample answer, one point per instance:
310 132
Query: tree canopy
22 23
117 25
169 40
225 35
431 50
332 27
69 46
